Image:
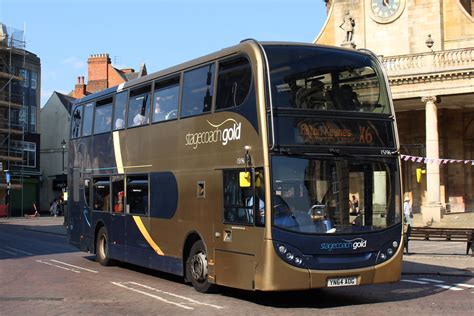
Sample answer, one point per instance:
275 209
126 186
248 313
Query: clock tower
427 49
388 27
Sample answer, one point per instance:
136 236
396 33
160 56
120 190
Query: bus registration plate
348 281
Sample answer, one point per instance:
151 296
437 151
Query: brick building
101 75
427 49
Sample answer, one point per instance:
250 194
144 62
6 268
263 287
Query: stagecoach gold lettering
218 134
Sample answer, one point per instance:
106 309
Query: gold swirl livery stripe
147 236
117 152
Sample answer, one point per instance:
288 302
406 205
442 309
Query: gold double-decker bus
263 166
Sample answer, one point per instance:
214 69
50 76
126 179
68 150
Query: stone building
427 48
55 120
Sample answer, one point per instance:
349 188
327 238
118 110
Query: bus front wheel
102 247
197 268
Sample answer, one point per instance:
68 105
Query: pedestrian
408 220
53 208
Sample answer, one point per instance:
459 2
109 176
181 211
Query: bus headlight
290 254
282 249
390 251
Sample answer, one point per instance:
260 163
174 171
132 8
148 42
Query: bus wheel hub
199 266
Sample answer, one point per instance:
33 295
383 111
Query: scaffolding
12 116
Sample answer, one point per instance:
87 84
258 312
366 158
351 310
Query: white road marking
9 252
470 286
448 287
430 280
176 295
60 267
413 281
151 295
73 266
26 253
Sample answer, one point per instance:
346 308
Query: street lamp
63 146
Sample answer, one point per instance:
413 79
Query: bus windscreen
313 78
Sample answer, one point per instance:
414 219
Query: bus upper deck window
197 91
103 116
76 122
119 110
233 83
87 124
139 106
166 95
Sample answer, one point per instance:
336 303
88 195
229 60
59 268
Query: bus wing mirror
245 179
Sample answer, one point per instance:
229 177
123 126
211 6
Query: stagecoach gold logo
223 133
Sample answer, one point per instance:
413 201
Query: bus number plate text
342 281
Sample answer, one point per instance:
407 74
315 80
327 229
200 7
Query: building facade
20 86
427 48
55 119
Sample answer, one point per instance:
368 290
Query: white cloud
74 62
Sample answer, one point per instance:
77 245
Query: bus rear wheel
197 269
102 247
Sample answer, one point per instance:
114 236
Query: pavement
425 257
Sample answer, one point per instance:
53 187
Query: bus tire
102 247
197 268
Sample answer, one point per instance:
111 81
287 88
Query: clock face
385 8
386 11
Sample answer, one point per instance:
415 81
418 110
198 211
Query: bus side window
233 83
139 106
76 122
166 97
101 194
118 194
238 206
119 110
88 116
197 91
137 194
103 116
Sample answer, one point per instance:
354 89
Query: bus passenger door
239 228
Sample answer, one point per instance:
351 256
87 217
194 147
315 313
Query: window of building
27 150
166 98
25 75
137 194
76 122
101 194
88 115
197 91
34 79
32 127
233 83
118 194
103 116
139 106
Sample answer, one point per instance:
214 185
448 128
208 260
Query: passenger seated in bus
346 98
120 121
139 118
312 97
158 113
118 207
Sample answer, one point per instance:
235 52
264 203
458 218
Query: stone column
432 210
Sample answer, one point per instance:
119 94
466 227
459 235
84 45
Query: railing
448 60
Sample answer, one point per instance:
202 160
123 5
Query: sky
159 33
